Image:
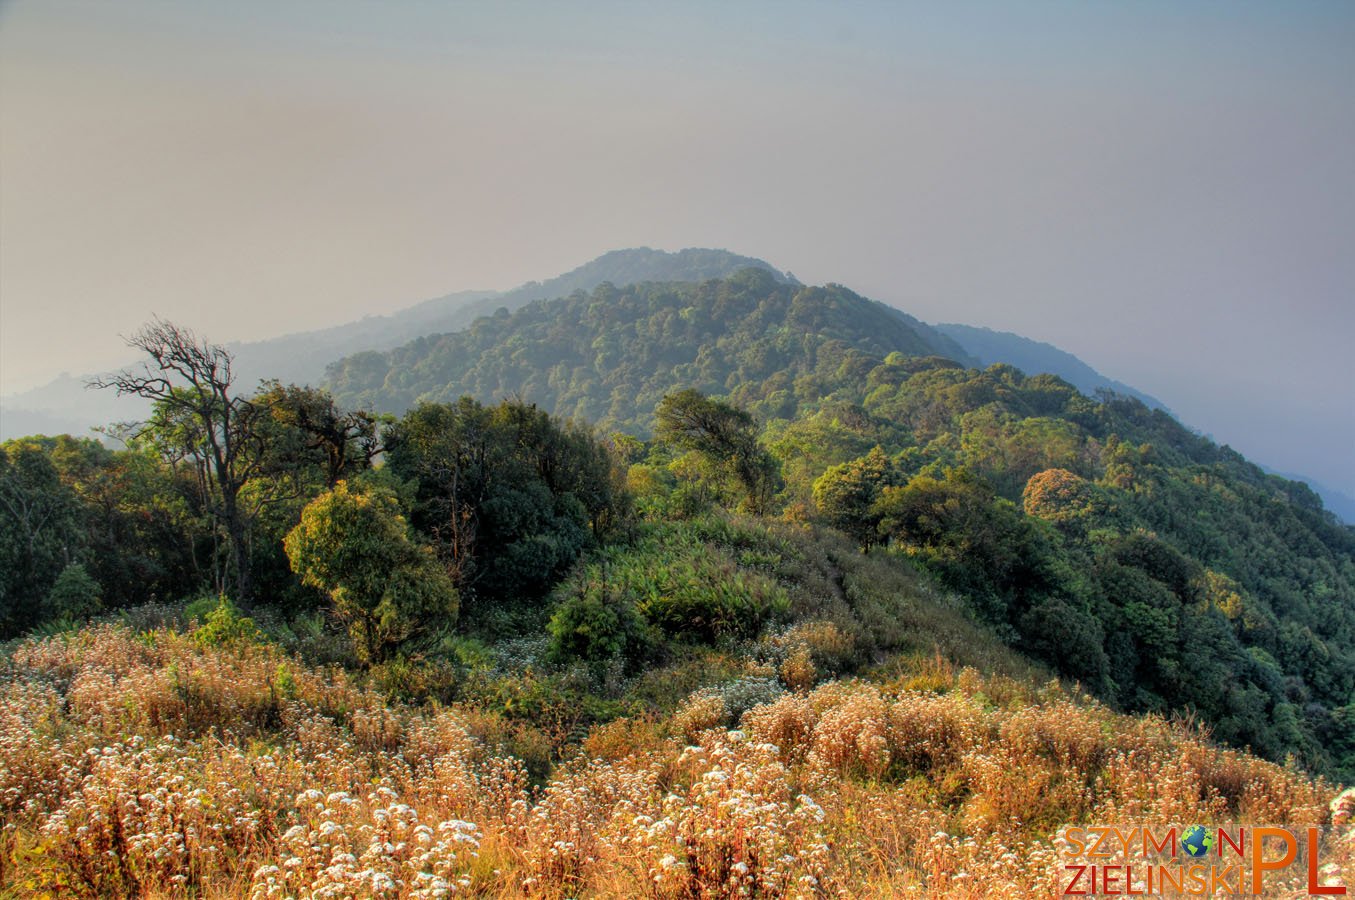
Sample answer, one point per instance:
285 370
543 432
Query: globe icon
1197 841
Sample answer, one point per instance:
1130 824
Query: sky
1166 190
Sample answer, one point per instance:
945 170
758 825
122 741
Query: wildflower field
149 764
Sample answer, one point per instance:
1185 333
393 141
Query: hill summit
608 356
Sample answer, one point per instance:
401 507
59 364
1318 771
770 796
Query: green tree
831 435
846 495
978 543
74 595
354 545
508 495
596 622
338 443
39 532
144 530
728 435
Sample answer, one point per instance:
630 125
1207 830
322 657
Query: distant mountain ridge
64 406
617 267
1032 357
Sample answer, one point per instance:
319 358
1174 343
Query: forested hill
607 357
299 357
1163 571
63 405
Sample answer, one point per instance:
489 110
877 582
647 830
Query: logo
1197 860
1197 841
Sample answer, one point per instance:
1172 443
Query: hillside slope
607 357
153 759
1164 571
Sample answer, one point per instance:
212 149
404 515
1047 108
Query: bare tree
196 412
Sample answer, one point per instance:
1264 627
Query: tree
1064 498
199 417
140 521
977 542
597 623
353 544
728 435
833 434
39 531
75 595
846 495
508 495
340 443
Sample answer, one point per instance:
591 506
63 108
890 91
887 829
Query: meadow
180 762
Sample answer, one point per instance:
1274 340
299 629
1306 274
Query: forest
571 561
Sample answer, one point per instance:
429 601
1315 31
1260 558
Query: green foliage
976 542
134 522
1097 535
824 435
701 599
508 495
598 625
354 545
846 495
687 588
74 595
609 356
311 436
724 435
225 626
39 532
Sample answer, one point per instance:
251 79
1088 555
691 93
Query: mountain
609 356
990 347
1096 534
300 358
64 406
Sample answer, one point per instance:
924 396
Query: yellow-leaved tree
354 544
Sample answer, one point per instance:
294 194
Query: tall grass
150 765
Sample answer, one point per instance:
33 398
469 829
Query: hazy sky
1165 189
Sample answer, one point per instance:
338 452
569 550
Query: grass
150 764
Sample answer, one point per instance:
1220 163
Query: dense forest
664 509
607 357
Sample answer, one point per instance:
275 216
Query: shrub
598 625
353 544
147 765
225 626
74 595
678 582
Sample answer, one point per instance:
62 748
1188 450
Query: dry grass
145 765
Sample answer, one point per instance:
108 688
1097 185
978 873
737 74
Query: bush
354 544
710 599
597 626
74 595
677 581
225 627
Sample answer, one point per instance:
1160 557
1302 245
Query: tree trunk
235 531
